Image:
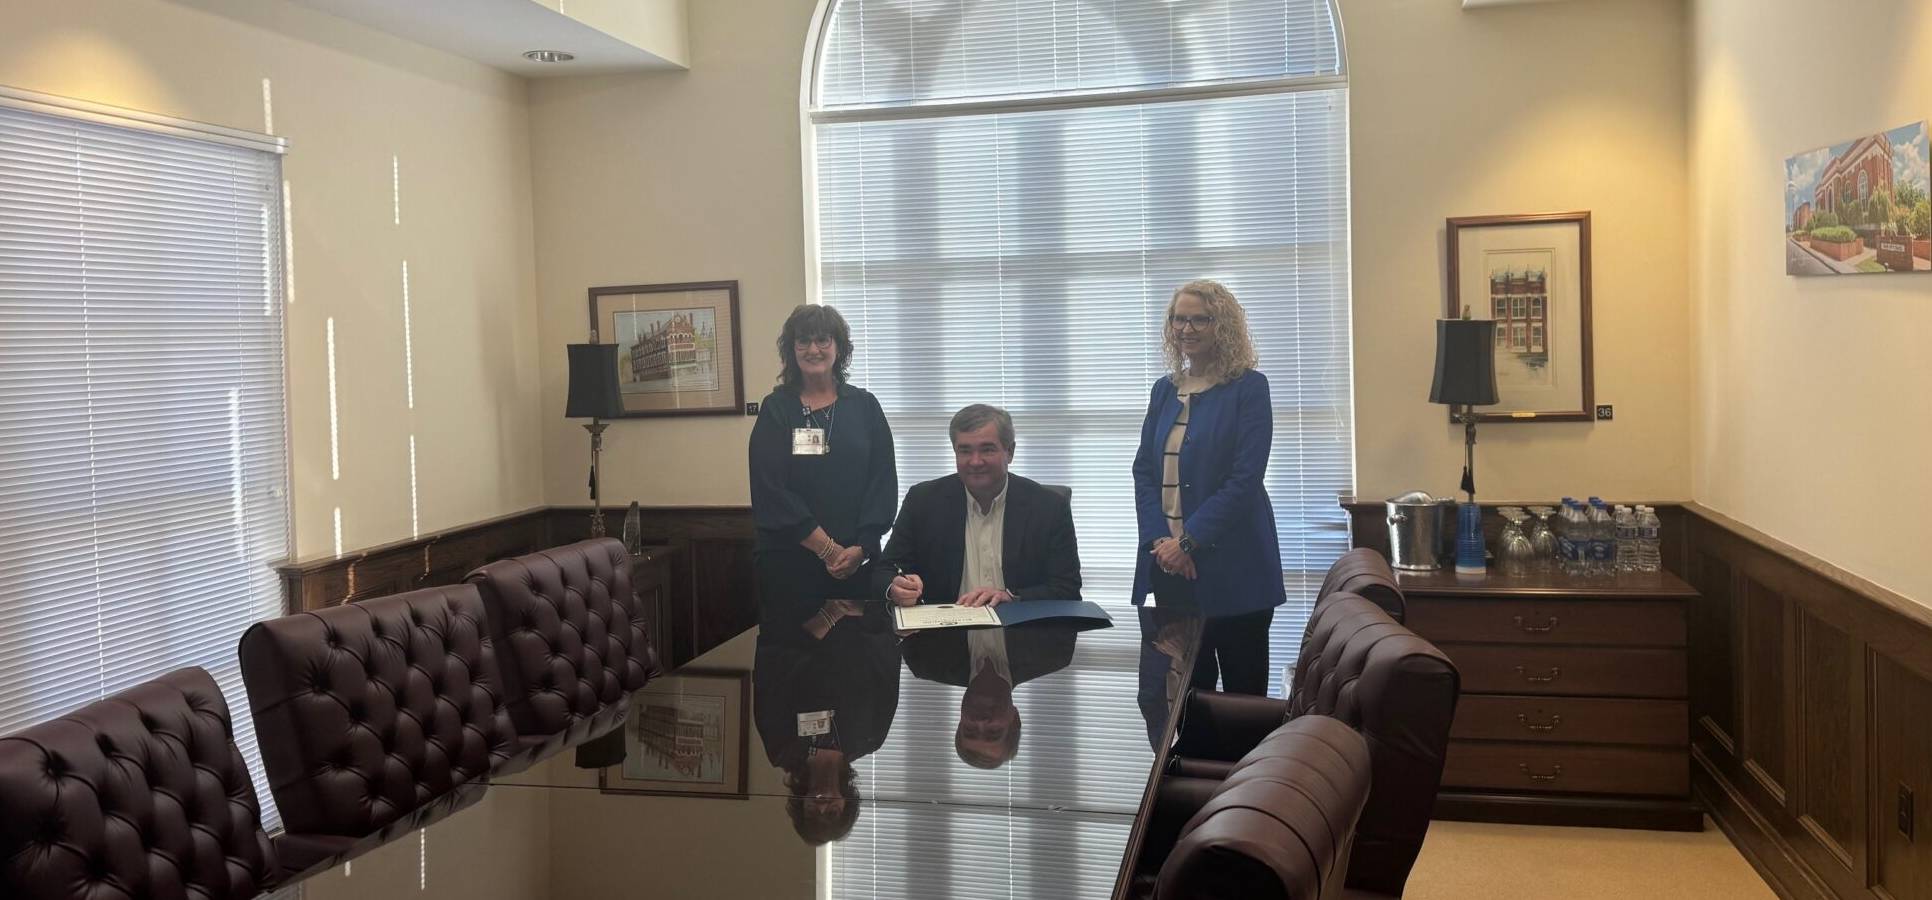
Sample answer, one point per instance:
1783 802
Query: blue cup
1469 540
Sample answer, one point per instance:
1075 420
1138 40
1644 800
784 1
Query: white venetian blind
1008 191
143 472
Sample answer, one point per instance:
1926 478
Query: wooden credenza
1575 697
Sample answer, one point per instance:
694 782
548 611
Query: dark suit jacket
1032 650
1039 557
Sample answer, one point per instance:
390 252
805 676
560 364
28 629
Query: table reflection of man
989 663
820 705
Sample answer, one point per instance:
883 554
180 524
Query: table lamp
1465 379
594 395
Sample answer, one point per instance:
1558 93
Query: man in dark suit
989 663
981 536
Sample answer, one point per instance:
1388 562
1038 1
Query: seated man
980 537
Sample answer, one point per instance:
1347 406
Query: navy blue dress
850 491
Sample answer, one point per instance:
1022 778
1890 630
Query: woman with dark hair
1207 530
823 481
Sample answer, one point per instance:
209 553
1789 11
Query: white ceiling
496 32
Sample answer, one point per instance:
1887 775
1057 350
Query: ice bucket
1418 531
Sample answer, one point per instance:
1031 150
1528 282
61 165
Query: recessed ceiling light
548 56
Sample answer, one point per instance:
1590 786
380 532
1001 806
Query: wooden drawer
1642 623
1567 768
1577 671
1572 720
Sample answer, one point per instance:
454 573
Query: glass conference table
857 762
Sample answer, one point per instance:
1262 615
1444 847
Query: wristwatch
1187 544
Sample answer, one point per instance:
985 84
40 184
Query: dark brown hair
806 322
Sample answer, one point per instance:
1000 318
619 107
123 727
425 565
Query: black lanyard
828 412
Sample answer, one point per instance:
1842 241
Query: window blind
989 247
143 462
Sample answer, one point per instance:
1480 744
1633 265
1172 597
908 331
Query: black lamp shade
1465 362
594 393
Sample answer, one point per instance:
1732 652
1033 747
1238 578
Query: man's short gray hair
975 417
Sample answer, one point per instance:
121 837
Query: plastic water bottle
1650 557
1573 538
1626 520
1603 535
1560 525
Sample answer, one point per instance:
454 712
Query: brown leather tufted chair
375 718
1279 826
1364 572
570 643
1357 665
142 794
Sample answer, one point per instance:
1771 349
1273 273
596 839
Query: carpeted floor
1471 861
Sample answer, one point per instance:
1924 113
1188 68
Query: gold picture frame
678 346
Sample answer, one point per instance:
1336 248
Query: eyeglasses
1182 323
823 340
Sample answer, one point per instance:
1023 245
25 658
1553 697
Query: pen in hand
904 583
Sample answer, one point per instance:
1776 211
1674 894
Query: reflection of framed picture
678 351
1532 275
686 734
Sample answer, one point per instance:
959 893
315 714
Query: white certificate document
942 615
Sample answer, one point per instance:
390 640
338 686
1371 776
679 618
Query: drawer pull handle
1556 771
1554 721
1549 625
1555 673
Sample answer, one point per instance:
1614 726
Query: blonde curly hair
1233 349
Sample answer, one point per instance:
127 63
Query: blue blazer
1224 457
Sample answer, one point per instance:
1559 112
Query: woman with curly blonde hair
1207 529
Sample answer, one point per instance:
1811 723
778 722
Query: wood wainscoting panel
1824 680
1713 633
1830 800
1902 711
438 558
709 597
1767 669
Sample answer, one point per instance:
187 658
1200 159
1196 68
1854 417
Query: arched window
1006 194
1864 185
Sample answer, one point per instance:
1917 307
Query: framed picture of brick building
1860 206
1531 275
687 734
678 350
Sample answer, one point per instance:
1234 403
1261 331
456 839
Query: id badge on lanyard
812 724
809 442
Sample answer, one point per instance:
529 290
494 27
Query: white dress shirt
985 534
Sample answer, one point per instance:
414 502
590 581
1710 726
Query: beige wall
349 99
696 175
1812 419
667 177
1538 108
